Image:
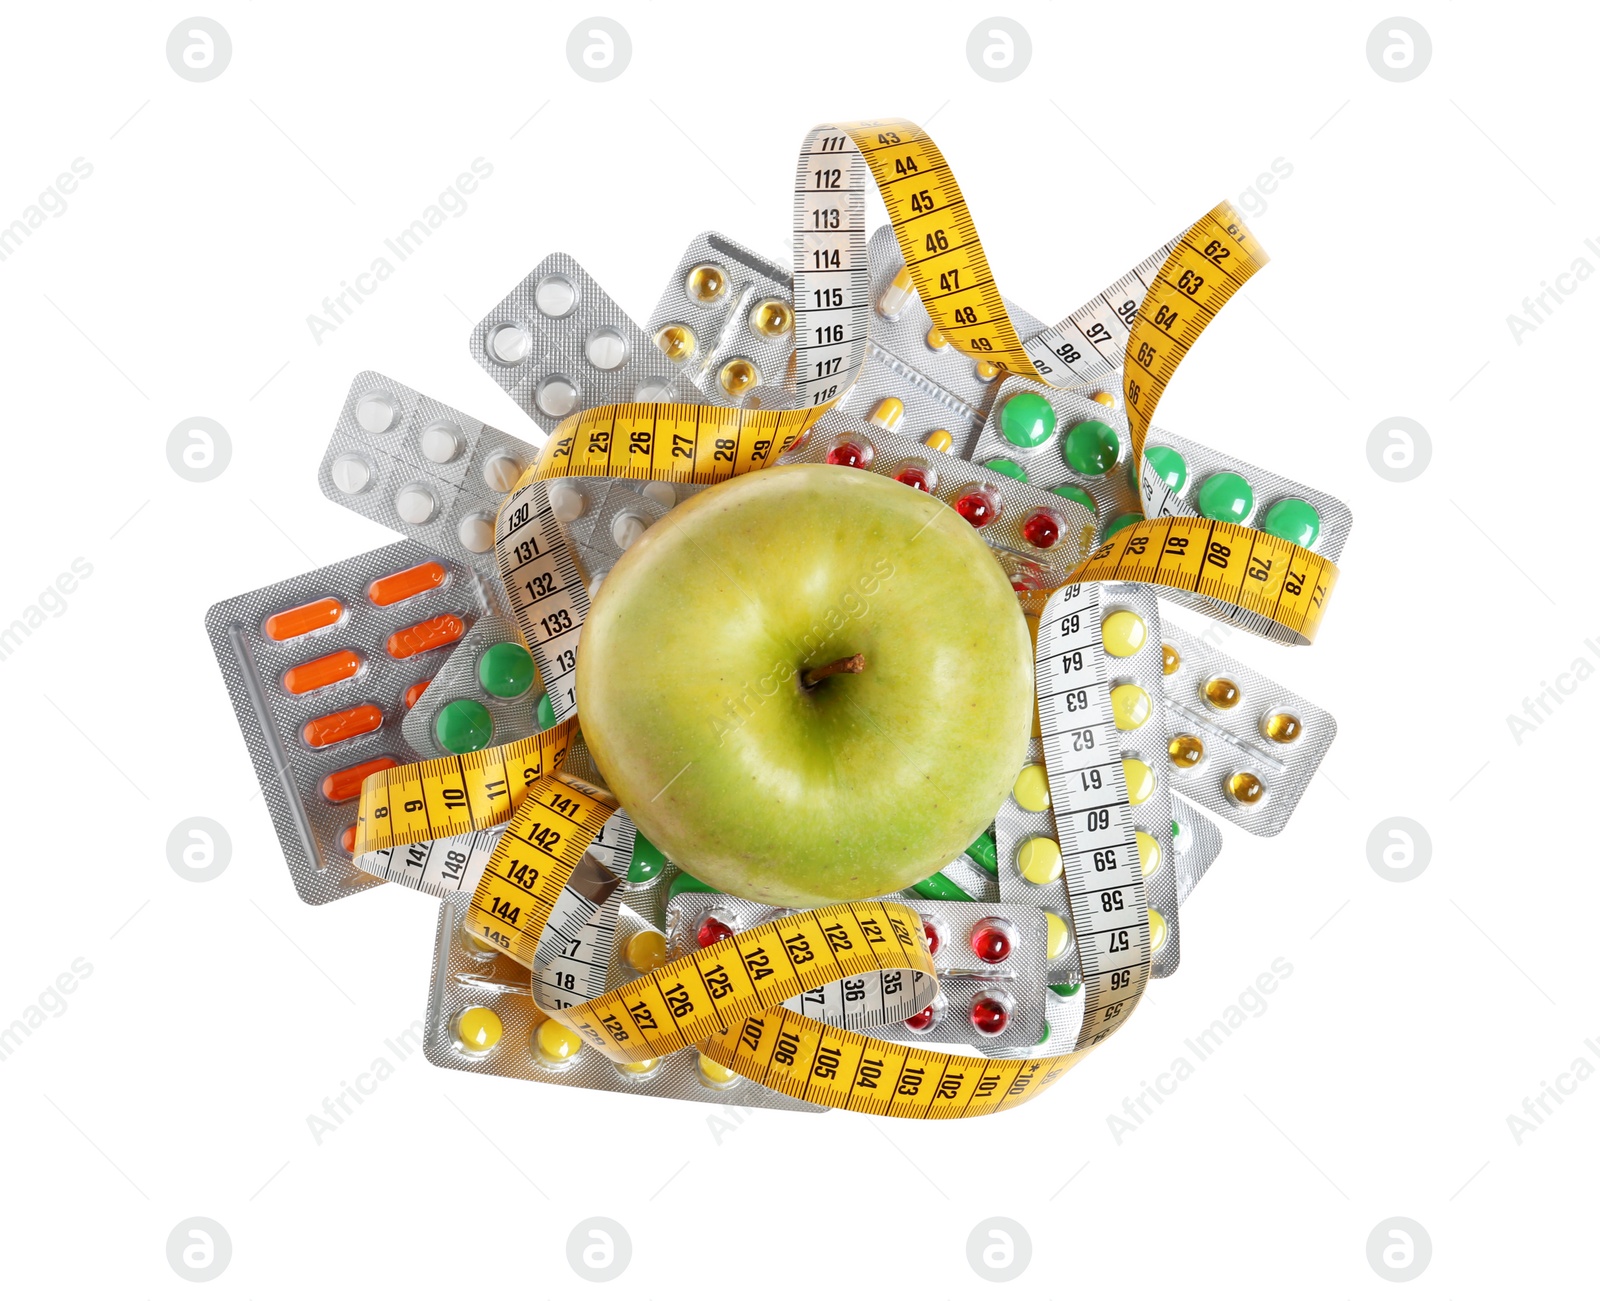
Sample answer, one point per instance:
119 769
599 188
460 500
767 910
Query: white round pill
509 344
414 505
441 443
476 533
653 390
664 493
606 349
350 473
626 530
501 472
556 396
594 584
555 296
566 502
375 412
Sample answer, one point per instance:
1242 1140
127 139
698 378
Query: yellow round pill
646 1067
1130 706
1222 693
556 1043
1058 936
646 951
677 341
1245 788
1039 860
939 440
478 1029
936 339
1149 852
1141 781
716 1074
1032 789
1123 633
987 370
475 943
1170 660
772 317
706 283
1103 398
887 414
1281 727
1186 751
738 377
1158 931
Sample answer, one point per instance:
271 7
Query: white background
177 283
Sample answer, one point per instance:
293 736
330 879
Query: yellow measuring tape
726 999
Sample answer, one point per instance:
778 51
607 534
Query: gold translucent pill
1130 706
987 370
887 414
1141 781
1170 660
1058 936
1149 853
706 283
772 317
677 341
738 377
936 339
939 440
1222 693
1158 931
1032 788
478 1029
1039 860
1281 728
1245 788
1123 633
1186 751
646 951
556 1043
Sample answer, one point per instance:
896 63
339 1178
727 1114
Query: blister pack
990 960
422 468
1196 842
726 317
557 343
486 693
321 669
1238 743
482 1018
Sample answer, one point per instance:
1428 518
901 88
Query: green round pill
1226 496
1294 520
1072 492
1091 447
463 726
505 669
546 713
1121 522
1176 830
647 861
1169 465
1005 465
1027 420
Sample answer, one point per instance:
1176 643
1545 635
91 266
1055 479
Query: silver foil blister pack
487 693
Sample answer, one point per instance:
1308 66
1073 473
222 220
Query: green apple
808 684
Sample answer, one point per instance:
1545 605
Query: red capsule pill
852 454
991 941
1042 529
978 508
348 839
428 635
324 672
914 476
920 1020
932 932
414 692
990 1015
713 930
407 583
341 726
337 787
303 619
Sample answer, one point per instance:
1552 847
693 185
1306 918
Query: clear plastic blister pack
321 669
990 960
1238 743
559 344
424 469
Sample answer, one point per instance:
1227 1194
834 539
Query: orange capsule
348 839
337 787
342 726
428 635
407 583
304 618
322 672
415 690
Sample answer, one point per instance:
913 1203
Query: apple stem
849 664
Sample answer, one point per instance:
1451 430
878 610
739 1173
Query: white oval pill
441 443
375 412
414 505
566 502
556 396
350 473
501 472
664 493
653 390
606 349
626 530
509 344
555 296
476 533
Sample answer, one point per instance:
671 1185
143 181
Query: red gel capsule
990 942
342 726
932 932
1042 529
337 787
414 692
921 1020
713 930
407 583
851 454
914 476
977 508
990 1016
428 635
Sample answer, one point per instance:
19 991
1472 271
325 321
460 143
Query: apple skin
690 699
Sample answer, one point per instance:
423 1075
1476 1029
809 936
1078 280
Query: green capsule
683 883
1226 496
463 726
1169 465
1072 492
1294 520
939 886
1091 447
647 862
1005 465
1121 522
506 670
982 852
545 712
1027 420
